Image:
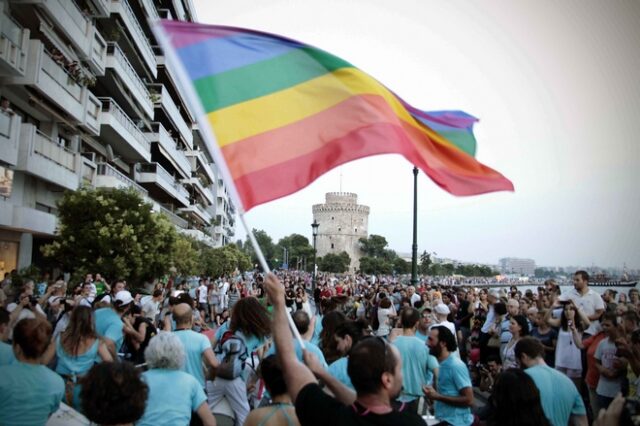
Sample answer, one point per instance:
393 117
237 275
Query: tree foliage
377 258
217 262
299 250
336 263
266 245
114 232
186 256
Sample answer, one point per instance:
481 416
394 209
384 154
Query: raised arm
296 374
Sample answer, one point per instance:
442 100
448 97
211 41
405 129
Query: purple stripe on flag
183 34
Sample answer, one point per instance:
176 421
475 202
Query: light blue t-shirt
338 369
559 396
453 377
422 337
308 346
6 354
417 366
194 346
109 325
252 342
173 395
29 394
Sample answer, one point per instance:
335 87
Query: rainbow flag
284 113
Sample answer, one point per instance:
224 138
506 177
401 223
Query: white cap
494 292
442 309
124 297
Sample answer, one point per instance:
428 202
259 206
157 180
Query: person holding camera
26 306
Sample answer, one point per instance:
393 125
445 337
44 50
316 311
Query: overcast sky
556 85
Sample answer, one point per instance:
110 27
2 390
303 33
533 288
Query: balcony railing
131 77
168 142
13 45
61 76
164 175
174 218
150 9
106 169
166 102
53 151
138 35
110 106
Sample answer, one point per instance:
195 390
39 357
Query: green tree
336 263
186 256
113 232
266 245
401 266
374 246
299 250
425 262
375 265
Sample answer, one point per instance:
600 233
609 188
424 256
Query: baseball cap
442 309
124 297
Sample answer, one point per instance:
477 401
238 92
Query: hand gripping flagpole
186 87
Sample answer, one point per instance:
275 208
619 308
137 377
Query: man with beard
454 397
374 366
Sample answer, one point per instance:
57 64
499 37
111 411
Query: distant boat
601 280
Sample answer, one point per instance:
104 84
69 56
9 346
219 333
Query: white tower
342 223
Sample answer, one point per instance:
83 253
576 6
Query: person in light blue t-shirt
173 394
347 335
29 391
109 323
197 346
419 367
302 322
6 351
454 397
561 401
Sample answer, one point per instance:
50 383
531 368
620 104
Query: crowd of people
255 349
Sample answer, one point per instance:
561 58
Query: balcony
9 137
33 220
97 59
199 236
14 46
88 171
53 81
122 8
179 8
205 194
173 218
118 62
168 148
67 17
152 175
163 100
200 163
92 114
109 177
150 9
122 133
42 157
102 8
197 213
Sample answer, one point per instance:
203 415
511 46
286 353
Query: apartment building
87 99
512 265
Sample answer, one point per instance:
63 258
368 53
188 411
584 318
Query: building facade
87 100
512 265
342 223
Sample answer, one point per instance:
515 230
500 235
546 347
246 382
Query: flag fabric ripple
284 113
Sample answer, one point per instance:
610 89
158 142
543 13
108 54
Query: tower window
331 245
331 217
355 229
339 229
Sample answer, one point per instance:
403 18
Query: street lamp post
314 231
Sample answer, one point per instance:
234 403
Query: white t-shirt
589 303
25 313
150 309
383 319
202 294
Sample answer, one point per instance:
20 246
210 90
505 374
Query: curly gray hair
165 350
